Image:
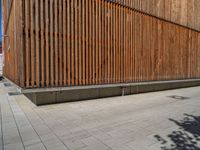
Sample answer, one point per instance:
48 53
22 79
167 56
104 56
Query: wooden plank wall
184 12
7 7
92 42
13 41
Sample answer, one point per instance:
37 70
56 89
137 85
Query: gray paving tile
117 144
85 148
38 146
122 123
55 144
100 134
73 144
94 143
14 146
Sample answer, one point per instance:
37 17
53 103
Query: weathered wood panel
7 8
184 12
72 43
14 41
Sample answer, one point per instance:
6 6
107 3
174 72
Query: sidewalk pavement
167 120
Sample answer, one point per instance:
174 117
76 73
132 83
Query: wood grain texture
184 12
92 42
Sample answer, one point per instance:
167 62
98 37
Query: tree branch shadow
187 138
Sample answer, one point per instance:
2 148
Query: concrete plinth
43 96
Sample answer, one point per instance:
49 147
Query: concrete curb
43 96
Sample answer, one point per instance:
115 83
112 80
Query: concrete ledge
43 96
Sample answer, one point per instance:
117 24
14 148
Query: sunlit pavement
168 120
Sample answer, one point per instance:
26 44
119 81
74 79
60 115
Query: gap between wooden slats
96 42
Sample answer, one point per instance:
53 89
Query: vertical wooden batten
58 43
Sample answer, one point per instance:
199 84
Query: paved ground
149 121
1 72
1 64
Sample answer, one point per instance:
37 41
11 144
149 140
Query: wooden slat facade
13 41
54 43
184 12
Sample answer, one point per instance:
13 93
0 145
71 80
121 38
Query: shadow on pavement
1 78
187 138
